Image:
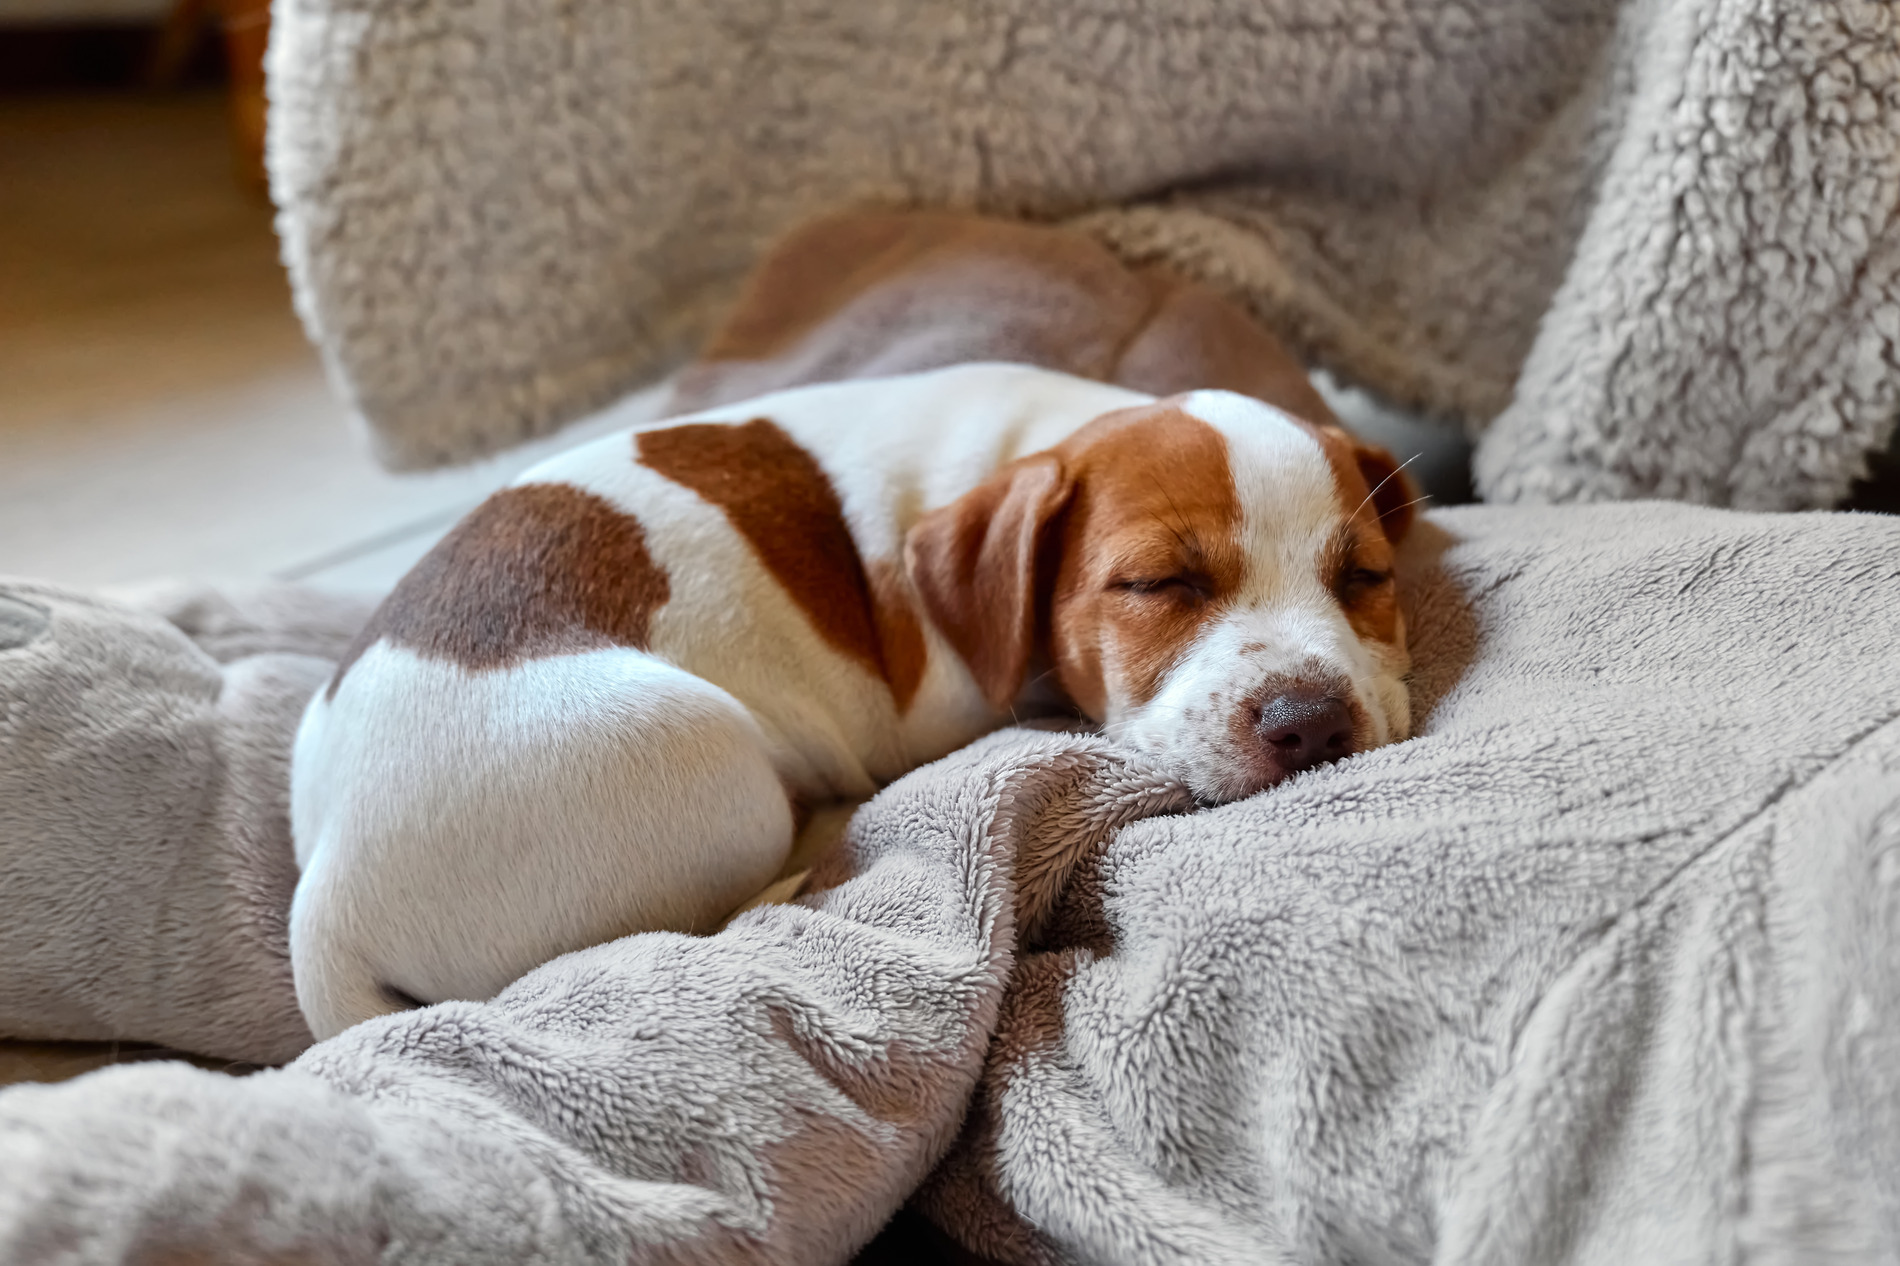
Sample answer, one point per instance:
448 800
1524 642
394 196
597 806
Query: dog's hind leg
496 820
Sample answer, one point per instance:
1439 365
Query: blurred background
161 412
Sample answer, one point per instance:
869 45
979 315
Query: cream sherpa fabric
1602 967
1647 248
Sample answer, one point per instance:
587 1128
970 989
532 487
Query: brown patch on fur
900 634
1195 338
1155 501
1370 480
977 565
535 570
1378 497
1394 496
872 292
779 499
1357 553
1054 549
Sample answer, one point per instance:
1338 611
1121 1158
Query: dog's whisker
1382 483
1416 501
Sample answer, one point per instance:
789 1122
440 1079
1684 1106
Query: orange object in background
246 29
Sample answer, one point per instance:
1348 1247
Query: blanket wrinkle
1668 883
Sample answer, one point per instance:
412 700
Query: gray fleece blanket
145 858
1646 247
1603 966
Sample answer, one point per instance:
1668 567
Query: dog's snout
1303 728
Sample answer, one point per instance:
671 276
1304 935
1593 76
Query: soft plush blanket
1648 248
145 858
1603 966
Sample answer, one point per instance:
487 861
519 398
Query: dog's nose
1304 728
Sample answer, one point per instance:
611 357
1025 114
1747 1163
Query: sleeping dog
589 711
596 706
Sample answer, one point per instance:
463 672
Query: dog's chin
1237 781
1213 777
1220 774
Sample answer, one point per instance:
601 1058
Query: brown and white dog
593 707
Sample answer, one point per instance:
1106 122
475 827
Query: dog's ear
974 564
1393 492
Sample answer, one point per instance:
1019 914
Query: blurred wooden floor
61 1061
161 412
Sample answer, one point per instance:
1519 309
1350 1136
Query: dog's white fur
456 828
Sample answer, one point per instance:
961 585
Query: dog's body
588 712
596 706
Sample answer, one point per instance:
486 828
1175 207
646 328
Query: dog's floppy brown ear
1393 492
974 565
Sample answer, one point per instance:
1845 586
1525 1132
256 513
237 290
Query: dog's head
1207 576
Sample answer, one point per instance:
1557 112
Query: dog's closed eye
1358 580
1180 586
